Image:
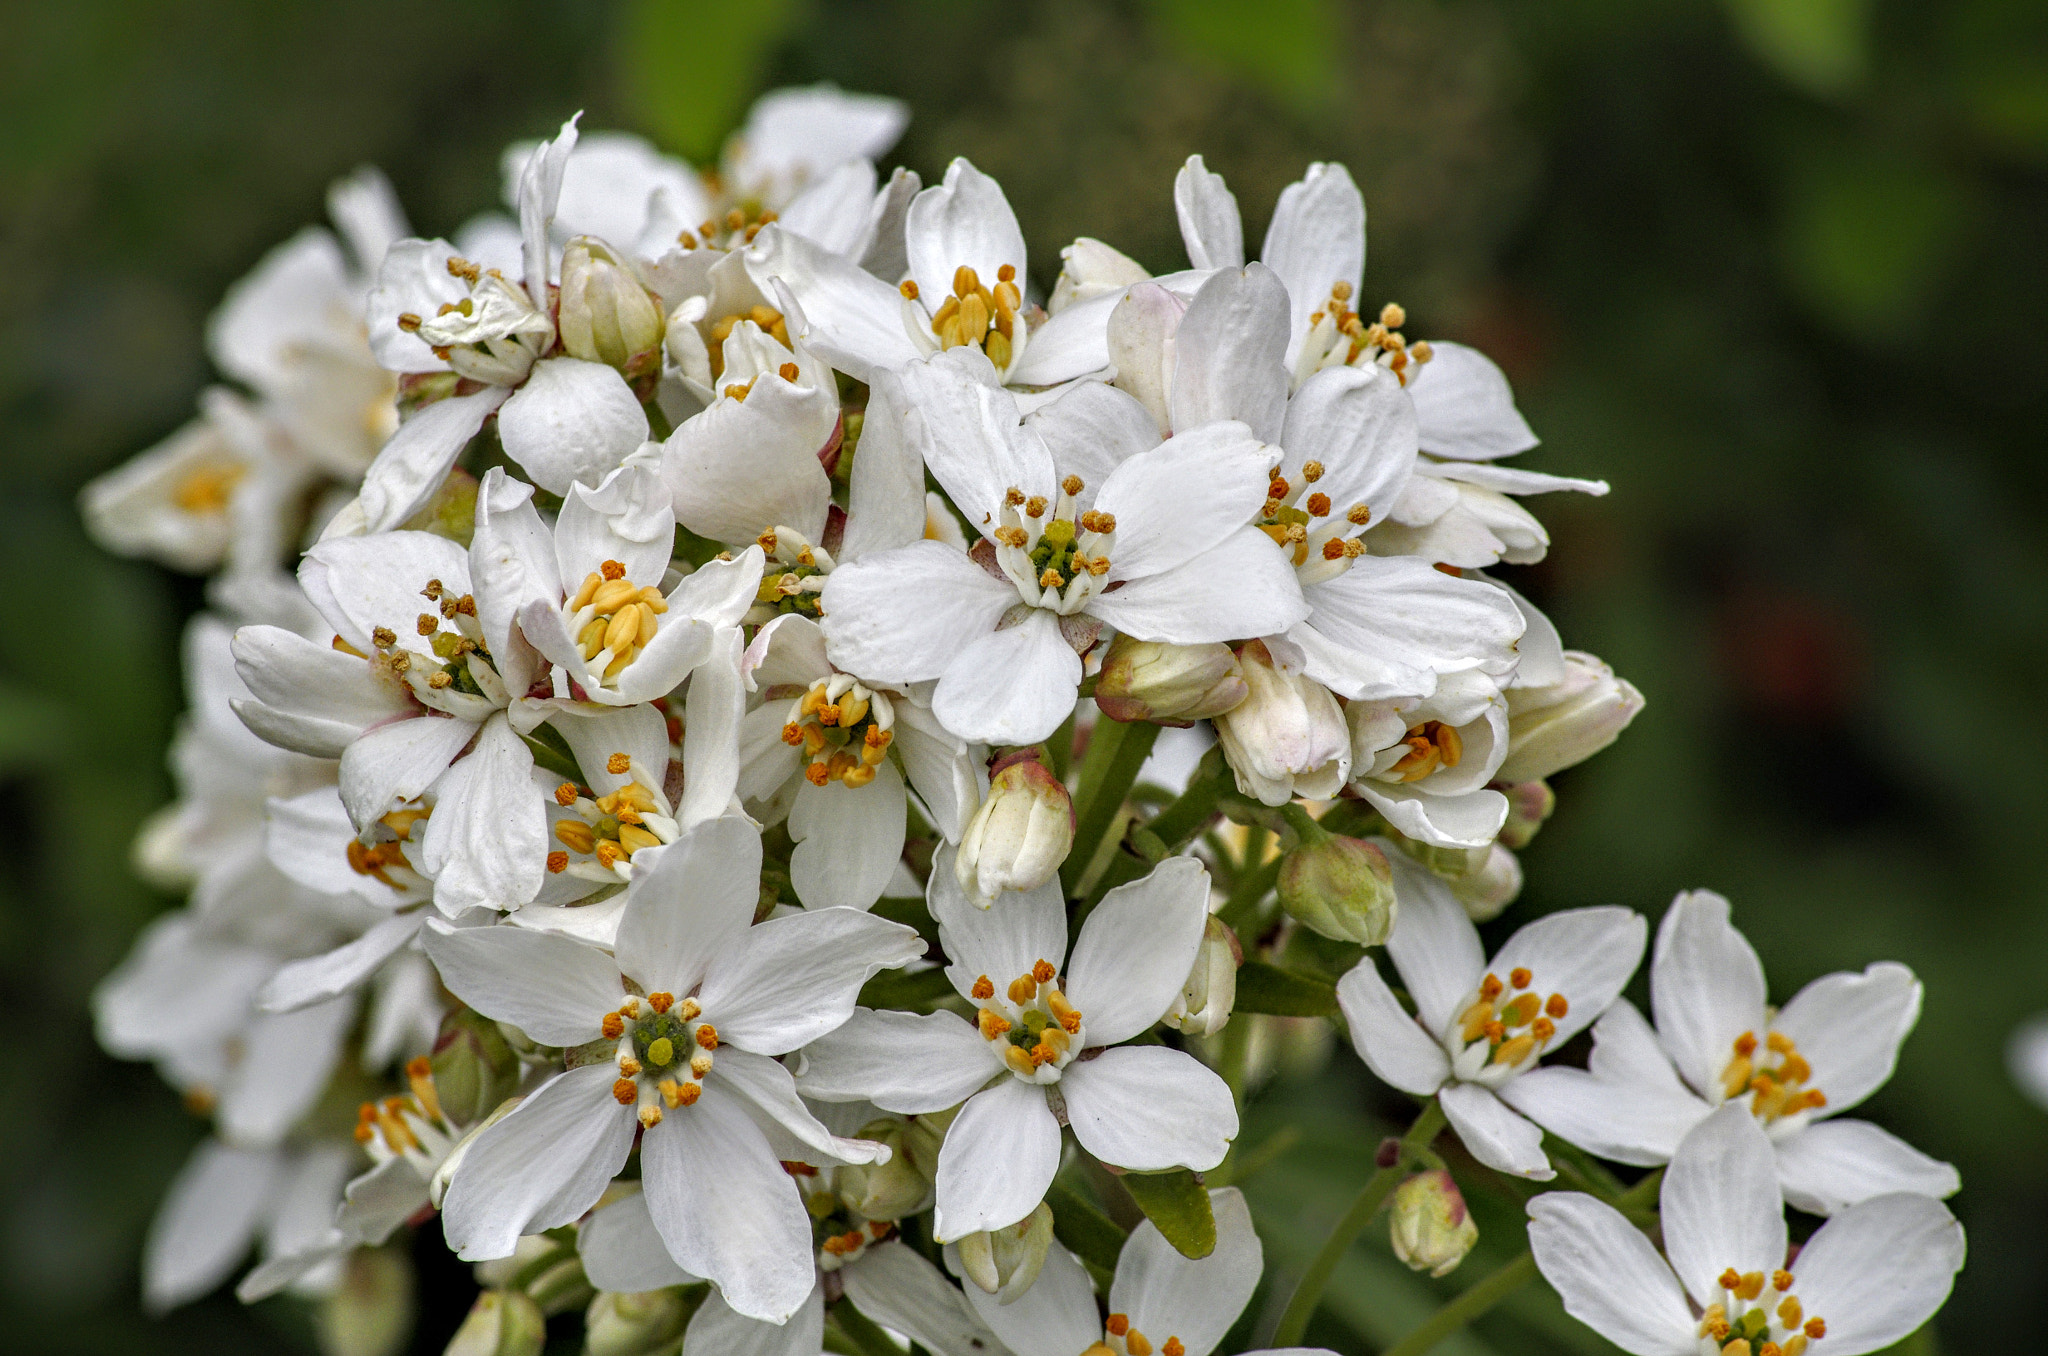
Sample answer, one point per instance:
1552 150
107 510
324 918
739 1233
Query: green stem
1251 886
1115 753
1059 750
1308 1291
1179 822
1467 1306
862 1331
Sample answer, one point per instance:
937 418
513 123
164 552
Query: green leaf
1080 1224
1178 1204
1822 46
551 751
1283 993
920 992
690 67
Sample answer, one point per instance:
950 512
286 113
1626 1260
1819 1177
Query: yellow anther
992 1024
1042 970
1018 1060
908 288
707 1036
1035 506
789 372
1023 989
558 862
982 989
1317 504
688 1093
1357 515
700 1063
965 281
618 764
1515 1051
612 569
1523 1010
576 835
566 794
1051 579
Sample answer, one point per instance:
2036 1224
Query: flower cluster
674 825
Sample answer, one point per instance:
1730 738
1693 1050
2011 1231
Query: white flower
1139 1107
2026 1058
833 753
1159 1301
226 1198
1718 1041
1287 737
1870 1276
1481 1025
1084 525
1556 725
699 1004
1425 764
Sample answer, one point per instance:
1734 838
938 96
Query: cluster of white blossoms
675 829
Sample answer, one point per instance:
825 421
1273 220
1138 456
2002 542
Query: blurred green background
1778 269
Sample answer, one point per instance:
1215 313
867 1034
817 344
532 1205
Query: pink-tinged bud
501 1323
1004 1262
620 1324
1432 1229
606 315
1529 804
1203 1005
1554 727
1168 684
1287 738
1340 887
1021 833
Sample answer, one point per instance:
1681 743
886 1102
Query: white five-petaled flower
1718 1041
1425 764
1084 525
699 1003
1043 1038
1725 1285
1481 1025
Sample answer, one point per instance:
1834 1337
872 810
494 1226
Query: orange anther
614 1026
1556 1005
661 1002
1042 971
618 764
982 989
625 1092
707 1036
1520 977
688 1093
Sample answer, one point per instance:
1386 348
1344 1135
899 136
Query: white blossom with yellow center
1427 764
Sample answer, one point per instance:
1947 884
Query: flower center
605 831
613 619
408 1126
767 317
1431 745
1504 1028
796 586
1034 1030
1758 1316
382 856
975 314
455 661
1304 523
1119 1338
664 1053
207 487
1057 562
844 728
1339 337
1776 1073
493 335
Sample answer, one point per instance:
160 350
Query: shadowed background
1774 268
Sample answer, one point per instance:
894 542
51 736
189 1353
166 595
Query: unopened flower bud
1340 887
1287 738
1021 833
1167 684
1529 804
1004 1262
474 1067
606 315
1204 1002
619 1324
501 1323
1551 728
1491 885
370 1313
1432 1230
887 1190
1090 269
923 1136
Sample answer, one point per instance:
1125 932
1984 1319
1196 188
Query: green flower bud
1340 887
884 1191
1551 728
1529 804
1204 1003
922 1136
633 1324
1431 1228
1168 684
501 1323
1021 833
474 1067
1004 1262
606 315
1493 883
371 1312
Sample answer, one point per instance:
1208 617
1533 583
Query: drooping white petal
206 1223
1706 987
969 433
885 503
621 1250
1196 1300
1210 225
1720 1202
1386 1037
854 319
787 981
900 1061
1230 351
1146 1107
1002 943
1316 240
333 973
395 763
794 1131
1008 686
594 735
512 564
744 466
1497 1136
848 840
1877 1271
542 1166
1465 408
967 221
1433 945
1388 626
696 899
573 421
899 616
946 772
412 465
1240 587
1831 1165
536 194
1136 948
1184 497
1055 1317
713 712
896 1287
624 517
363 583
1585 954
308 697
1850 1027
1000 1155
1609 1276
555 990
487 841
1629 1105
1470 820
717 1329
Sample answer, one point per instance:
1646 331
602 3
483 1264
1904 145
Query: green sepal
1178 1204
1283 993
1081 1225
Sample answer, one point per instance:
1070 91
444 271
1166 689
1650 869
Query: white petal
1184 497
1359 424
1509 479
1386 1037
1850 1028
1471 820
325 697
964 221
410 468
1090 430
511 563
555 990
834 210
790 980
572 421
969 433
626 517
594 735
1392 624
899 616
900 1061
1585 954
1631 1106
1465 408
742 467
726 1208
1877 1271
1230 353
378 1201
487 841
1002 943
895 1286
542 1166
698 896
306 837
848 840
946 771
1434 945
1146 1107
397 762
622 1252
885 504
711 730
1706 987
1316 240
1720 1203
335 972
855 320
1136 948
1055 1317
1495 1134
284 1066
1240 587
1831 1165
206 1223
717 1329
1210 226
1609 1276
1068 346
1012 686
362 583
1000 1155
794 1131
1195 1300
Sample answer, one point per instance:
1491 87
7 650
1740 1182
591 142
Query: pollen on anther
661 1002
1816 1328
908 288
789 371
1556 1005
1358 515
707 1036
983 989
1318 505
688 1093
614 1026
1781 1281
1520 977
612 569
1333 549
618 765
558 862
1116 1325
625 1092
